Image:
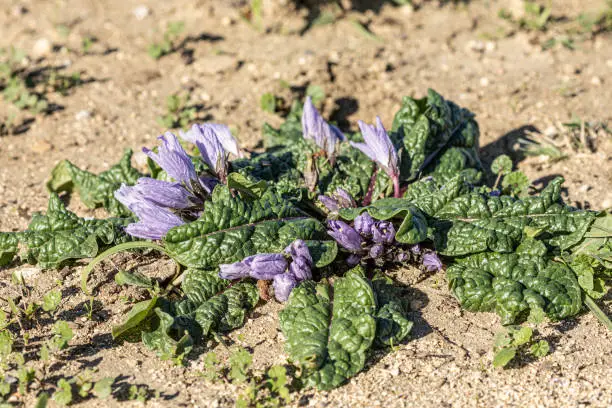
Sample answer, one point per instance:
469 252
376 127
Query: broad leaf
95 190
232 228
513 284
136 321
466 222
162 339
329 339
392 324
60 235
9 245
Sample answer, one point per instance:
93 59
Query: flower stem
113 250
396 187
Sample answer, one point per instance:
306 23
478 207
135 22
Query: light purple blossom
352 260
266 266
173 159
415 249
344 199
236 270
301 265
377 250
364 224
315 128
383 232
163 193
154 221
379 148
213 153
330 203
345 235
283 284
432 262
221 132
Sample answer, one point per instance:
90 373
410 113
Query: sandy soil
509 81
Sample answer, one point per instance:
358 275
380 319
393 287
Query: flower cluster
378 145
339 199
161 205
276 267
373 239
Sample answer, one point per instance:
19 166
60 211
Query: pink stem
396 187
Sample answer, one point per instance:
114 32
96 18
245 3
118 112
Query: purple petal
212 151
300 270
266 266
173 159
330 203
315 128
221 132
364 223
415 249
402 257
344 199
353 260
378 147
233 271
376 251
283 285
432 262
300 252
383 232
154 221
345 235
163 193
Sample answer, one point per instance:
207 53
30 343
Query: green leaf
103 387
540 349
316 93
199 286
512 284
227 310
436 138
51 300
6 344
60 235
134 279
323 252
163 339
253 189
504 356
95 190
413 228
232 228
392 324
501 165
522 336
9 243
240 361
62 334
330 340
465 222
593 276
63 394
42 400
515 183
268 102
137 320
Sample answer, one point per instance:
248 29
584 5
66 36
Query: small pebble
584 188
82 115
551 131
476 45
596 81
484 81
141 12
42 47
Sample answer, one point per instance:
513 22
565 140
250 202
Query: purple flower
162 193
364 224
315 128
154 221
266 266
432 262
221 132
402 257
283 285
213 153
377 250
173 159
378 147
495 193
344 199
415 249
301 265
345 235
353 260
383 232
330 203
236 270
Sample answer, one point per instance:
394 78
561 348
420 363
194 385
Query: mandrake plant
315 221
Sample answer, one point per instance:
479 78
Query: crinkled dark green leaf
9 245
392 323
465 222
329 339
413 227
594 278
95 190
232 228
227 310
323 252
200 285
437 138
245 185
136 321
512 284
60 235
170 339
